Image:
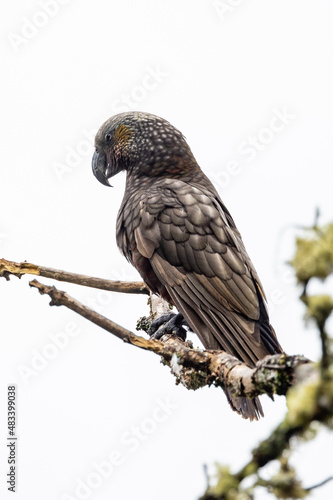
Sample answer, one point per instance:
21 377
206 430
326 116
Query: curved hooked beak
101 168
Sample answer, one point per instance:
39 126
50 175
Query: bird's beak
101 168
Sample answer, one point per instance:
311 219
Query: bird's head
143 145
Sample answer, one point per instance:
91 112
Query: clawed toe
168 324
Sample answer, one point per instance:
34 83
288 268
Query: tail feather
248 340
267 332
247 408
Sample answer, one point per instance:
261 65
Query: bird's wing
198 255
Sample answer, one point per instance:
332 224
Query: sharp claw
159 333
155 325
168 324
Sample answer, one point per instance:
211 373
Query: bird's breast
128 219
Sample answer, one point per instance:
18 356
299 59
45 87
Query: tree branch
196 368
310 488
8 268
308 402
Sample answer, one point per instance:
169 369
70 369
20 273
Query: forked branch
195 368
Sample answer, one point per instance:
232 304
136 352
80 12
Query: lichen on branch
196 368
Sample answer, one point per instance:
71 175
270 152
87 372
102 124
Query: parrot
173 227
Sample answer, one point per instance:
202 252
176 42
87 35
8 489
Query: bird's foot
168 324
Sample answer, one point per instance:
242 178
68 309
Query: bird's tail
248 408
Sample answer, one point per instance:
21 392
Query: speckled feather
173 227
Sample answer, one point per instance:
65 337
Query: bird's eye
108 137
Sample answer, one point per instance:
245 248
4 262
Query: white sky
221 72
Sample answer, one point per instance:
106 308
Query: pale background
218 71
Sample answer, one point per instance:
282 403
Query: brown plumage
174 228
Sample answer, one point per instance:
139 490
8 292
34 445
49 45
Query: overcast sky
249 83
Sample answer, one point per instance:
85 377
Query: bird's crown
143 144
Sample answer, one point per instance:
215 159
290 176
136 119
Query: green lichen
319 308
285 484
227 486
282 382
194 379
269 449
144 323
302 403
274 381
314 254
310 403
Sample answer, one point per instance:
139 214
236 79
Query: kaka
175 230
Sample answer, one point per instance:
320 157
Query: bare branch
325 347
310 488
195 368
8 268
158 306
